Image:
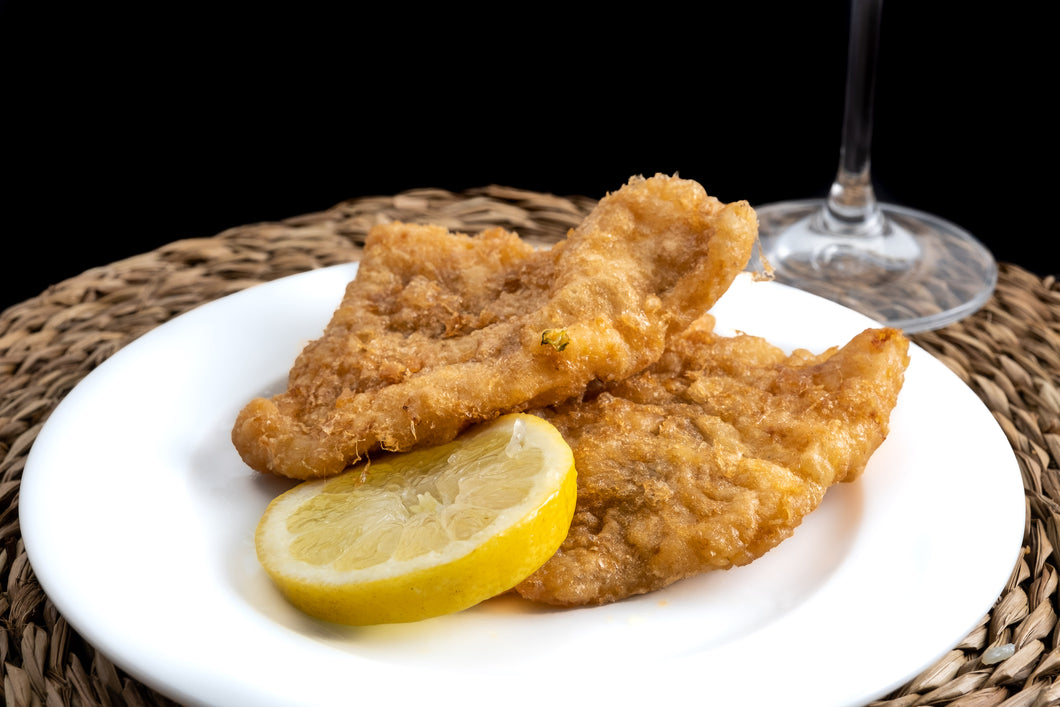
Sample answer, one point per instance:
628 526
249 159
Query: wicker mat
1009 353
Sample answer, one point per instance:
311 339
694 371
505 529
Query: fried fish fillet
439 330
712 457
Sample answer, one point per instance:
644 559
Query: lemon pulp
423 533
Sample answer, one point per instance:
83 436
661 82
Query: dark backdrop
127 127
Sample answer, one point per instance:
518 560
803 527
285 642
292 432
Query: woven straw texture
1008 353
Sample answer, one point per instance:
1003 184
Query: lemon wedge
423 533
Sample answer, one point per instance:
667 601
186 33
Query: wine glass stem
851 207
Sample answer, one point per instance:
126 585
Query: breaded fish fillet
440 330
712 457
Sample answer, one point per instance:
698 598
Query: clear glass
902 267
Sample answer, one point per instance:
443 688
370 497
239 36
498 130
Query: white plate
138 517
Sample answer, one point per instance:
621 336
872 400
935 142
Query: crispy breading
712 457
439 330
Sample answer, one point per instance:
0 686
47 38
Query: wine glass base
919 273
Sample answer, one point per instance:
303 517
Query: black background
128 126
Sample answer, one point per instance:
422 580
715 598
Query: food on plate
440 330
712 457
438 421
423 533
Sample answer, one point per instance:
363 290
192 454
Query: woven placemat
1008 353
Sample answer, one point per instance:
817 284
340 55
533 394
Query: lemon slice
424 533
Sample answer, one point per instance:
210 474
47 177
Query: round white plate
138 517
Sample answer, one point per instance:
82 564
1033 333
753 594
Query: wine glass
902 267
